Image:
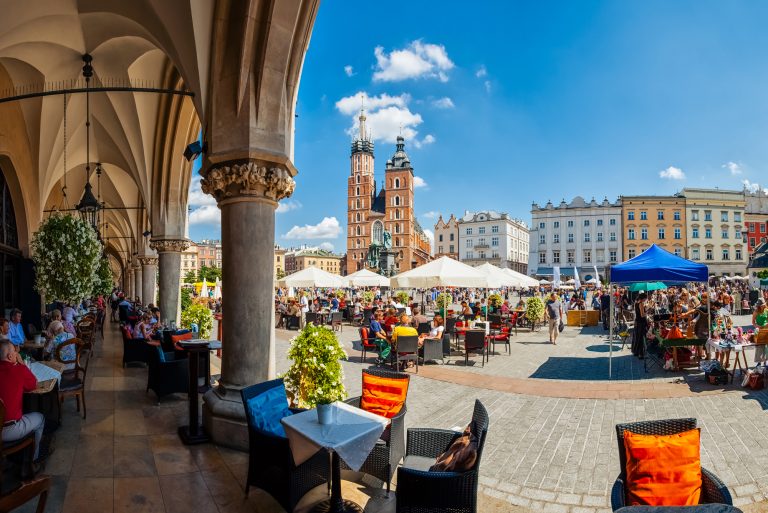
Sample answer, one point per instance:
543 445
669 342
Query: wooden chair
73 382
25 493
86 329
9 448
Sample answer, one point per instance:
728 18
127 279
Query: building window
440 238
357 177
556 238
724 233
586 222
613 257
707 215
644 233
542 225
599 236
660 215
469 231
450 248
678 252
695 233
397 183
495 229
631 253
631 215
613 237
469 243
481 230
542 258
737 217
709 254
570 257
494 241
738 254
676 215
631 234
587 256
570 224
357 203
724 216
726 254
570 237
708 233
738 235
586 237
661 233
643 215
678 235
612 222
556 224
481 241
752 242
470 255
599 222
694 215
555 257
542 239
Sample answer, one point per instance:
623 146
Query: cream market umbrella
522 280
204 289
313 277
443 272
366 278
217 290
497 278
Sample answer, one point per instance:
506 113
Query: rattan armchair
390 448
167 376
712 489
422 491
270 461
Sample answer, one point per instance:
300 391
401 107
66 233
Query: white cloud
429 139
481 71
349 70
672 173
443 103
430 215
751 186
207 214
386 116
197 198
733 167
326 246
487 85
287 206
328 228
417 60
418 182
430 235
352 104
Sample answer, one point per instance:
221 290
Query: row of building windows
571 256
440 237
481 230
696 253
481 242
676 215
587 237
662 234
724 216
556 224
481 255
757 227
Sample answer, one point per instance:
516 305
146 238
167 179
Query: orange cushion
674 333
663 470
383 396
179 338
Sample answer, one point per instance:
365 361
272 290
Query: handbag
756 381
561 326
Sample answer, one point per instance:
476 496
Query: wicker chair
712 489
366 343
134 349
422 491
166 377
390 448
270 462
475 342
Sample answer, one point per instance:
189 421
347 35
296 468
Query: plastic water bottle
195 330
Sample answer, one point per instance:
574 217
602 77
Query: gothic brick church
370 212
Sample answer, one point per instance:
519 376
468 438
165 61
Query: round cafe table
193 433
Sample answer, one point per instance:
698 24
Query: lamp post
89 206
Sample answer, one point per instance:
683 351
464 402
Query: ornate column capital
169 245
148 260
248 177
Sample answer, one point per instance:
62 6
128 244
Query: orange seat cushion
663 470
180 338
383 396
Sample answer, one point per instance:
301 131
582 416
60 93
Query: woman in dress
760 322
641 326
69 353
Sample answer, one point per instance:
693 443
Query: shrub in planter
495 300
198 314
443 302
534 310
368 297
402 297
315 376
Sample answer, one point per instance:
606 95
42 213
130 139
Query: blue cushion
266 410
160 353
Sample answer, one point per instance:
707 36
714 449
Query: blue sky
504 103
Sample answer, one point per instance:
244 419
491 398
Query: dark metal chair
134 350
422 491
501 337
270 462
314 318
73 382
424 327
336 321
390 448
474 342
407 350
166 377
712 489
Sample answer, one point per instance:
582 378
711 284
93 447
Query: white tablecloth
352 435
43 372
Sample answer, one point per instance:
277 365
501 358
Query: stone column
169 252
247 192
137 278
148 278
129 283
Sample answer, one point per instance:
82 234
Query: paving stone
582 509
591 500
550 507
568 498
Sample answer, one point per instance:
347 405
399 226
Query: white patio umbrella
497 278
544 282
366 278
570 282
217 290
524 281
443 272
312 277
204 289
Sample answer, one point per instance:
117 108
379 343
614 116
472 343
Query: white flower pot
325 414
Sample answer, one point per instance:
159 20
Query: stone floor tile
129 422
94 456
134 457
89 495
171 456
138 495
99 422
183 493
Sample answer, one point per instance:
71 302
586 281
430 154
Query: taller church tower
360 195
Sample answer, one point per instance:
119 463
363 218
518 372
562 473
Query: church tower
360 196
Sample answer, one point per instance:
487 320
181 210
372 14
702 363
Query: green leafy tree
198 314
190 277
186 298
315 376
280 274
763 274
208 274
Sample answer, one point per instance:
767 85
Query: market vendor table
583 317
351 436
675 343
193 433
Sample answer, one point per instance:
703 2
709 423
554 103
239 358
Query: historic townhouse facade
659 220
489 236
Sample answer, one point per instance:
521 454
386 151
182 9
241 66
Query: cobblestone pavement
560 454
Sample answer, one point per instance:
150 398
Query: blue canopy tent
657 264
654 265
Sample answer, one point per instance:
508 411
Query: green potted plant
495 301
402 297
200 315
534 310
367 297
444 301
315 375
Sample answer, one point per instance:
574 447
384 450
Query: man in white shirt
304 302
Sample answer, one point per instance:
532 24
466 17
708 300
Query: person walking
554 312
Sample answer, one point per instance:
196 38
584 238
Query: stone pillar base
224 418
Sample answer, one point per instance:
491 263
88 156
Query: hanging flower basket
104 283
66 254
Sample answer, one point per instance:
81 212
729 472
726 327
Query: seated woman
4 329
55 316
69 353
143 329
436 329
68 319
505 307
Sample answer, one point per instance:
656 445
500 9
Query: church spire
363 134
